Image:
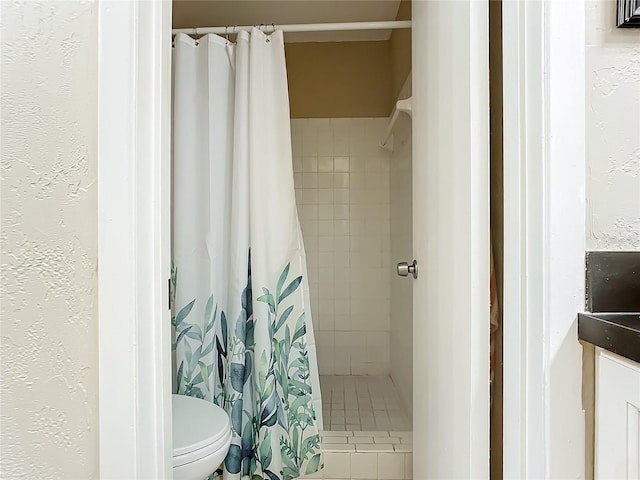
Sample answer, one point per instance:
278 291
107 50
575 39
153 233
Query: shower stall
352 176
354 202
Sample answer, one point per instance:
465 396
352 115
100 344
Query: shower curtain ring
226 33
195 33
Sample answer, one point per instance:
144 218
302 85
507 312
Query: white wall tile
341 180
325 212
341 196
391 466
325 227
342 190
296 137
326 244
337 465
326 322
399 245
341 164
325 164
325 136
326 196
341 227
310 196
341 212
343 324
364 465
310 139
374 447
338 447
309 164
309 180
343 259
357 163
325 259
325 180
408 466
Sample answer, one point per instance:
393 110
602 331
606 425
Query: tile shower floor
357 403
367 435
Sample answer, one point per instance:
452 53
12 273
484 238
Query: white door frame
523 125
544 237
134 74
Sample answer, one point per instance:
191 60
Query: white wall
613 130
402 251
48 291
563 237
342 189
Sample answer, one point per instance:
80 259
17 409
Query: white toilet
201 437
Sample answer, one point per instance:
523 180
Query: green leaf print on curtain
266 390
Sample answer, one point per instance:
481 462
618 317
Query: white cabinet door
617 448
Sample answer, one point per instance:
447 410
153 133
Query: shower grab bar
401 106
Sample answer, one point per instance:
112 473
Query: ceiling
214 13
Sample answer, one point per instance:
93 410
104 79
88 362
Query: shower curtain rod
300 27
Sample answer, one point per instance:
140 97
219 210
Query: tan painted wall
349 79
48 240
400 46
339 79
342 191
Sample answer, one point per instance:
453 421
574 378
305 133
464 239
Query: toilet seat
199 454
200 428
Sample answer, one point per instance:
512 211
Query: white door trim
134 52
523 126
544 237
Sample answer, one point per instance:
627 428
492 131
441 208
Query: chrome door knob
404 269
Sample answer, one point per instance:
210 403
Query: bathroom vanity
617 391
613 285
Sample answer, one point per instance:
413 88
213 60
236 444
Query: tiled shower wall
342 191
402 250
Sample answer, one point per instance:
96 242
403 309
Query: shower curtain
243 332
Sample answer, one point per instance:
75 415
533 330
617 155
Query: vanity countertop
616 332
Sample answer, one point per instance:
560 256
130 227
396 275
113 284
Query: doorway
460 404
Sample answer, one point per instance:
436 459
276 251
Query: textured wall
613 131
342 189
49 405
